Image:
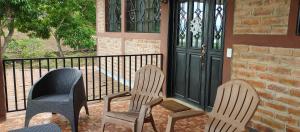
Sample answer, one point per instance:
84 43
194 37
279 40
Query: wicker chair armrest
30 93
77 87
77 92
109 98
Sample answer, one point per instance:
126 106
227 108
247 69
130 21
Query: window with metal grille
113 15
143 16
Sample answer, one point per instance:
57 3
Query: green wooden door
197 50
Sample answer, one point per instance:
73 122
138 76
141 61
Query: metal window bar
113 21
143 16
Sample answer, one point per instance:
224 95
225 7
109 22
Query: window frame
156 24
107 18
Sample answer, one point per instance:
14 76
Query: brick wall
114 46
109 46
140 46
261 16
100 16
275 74
122 45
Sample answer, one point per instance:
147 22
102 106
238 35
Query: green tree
71 22
22 15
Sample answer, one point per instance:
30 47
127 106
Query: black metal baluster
161 62
93 75
56 63
151 59
135 65
124 72
48 64
72 65
106 90
156 59
5 85
23 81
129 73
79 64
146 59
119 74
31 72
64 62
100 90
15 85
141 60
86 79
112 74
40 67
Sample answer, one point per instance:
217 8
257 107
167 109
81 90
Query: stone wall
275 74
261 16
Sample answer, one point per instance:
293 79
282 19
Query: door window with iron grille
113 16
143 16
218 26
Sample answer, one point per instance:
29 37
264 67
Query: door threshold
185 103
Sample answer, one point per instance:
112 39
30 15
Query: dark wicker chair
59 91
40 128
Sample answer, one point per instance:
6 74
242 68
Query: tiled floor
92 123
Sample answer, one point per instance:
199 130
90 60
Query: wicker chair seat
53 98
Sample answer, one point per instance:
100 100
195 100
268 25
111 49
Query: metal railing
103 75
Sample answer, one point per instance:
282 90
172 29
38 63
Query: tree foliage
71 22
20 14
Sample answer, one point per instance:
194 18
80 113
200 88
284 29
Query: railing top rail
45 58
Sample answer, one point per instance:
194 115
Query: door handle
203 50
